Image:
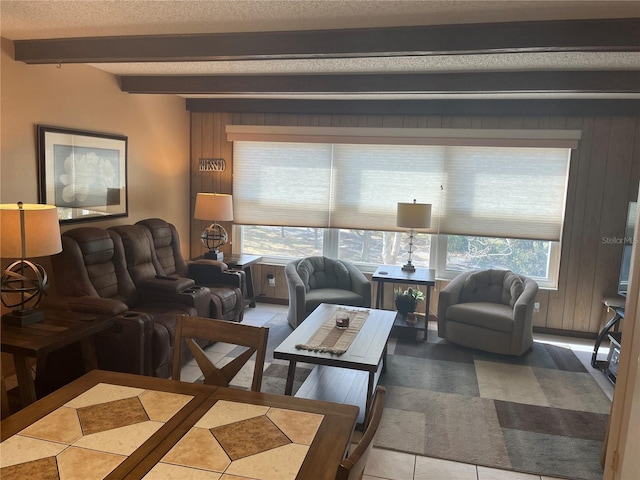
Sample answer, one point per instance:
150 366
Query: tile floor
390 465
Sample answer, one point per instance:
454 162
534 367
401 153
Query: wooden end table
395 274
243 261
58 329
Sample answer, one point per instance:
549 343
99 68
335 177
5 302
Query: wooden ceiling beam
518 107
430 83
597 35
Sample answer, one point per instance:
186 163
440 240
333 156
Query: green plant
409 292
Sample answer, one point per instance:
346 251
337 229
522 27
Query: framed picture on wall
84 174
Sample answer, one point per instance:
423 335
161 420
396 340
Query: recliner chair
489 310
224 284
316 280
91 275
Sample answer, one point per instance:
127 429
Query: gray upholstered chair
489 310
316 280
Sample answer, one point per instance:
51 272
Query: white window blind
505 192
493 191
281 183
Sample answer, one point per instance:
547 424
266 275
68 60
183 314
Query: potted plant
407 300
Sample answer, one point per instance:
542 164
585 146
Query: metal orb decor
214 236
23 284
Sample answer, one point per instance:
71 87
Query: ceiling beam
472 82
608 35
564 107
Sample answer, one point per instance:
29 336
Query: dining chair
255 338
352 467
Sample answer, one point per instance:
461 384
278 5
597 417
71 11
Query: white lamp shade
414 215
41 231
214 206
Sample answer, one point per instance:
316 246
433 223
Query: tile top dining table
108 425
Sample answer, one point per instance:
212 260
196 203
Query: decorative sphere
214 236
23 284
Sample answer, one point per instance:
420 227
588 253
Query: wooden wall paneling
374 121
196 181
434 121
592 215
461 122
510 122
554 315
489 121
571 251
410 121
614 214
540 317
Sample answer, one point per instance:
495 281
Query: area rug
541 413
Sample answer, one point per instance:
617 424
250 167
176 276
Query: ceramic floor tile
249 437
164 471
220 347
19 449
123 440
198 448
300 427
82 464
390 465
223 413
61 425
103 393
277 464
485 473
512 383
190 373
161 406
428 468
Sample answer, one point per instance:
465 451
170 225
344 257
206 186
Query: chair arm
523 308
297 294
214 273
99 305
359 283
449 295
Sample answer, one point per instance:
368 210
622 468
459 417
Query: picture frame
84 174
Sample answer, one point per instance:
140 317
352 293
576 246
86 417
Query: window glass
286 242
389 248
526 257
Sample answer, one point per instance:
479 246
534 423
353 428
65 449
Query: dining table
111 425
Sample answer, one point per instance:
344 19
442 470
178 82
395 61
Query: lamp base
408 267
214 255
22 318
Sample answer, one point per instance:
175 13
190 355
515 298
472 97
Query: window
495 202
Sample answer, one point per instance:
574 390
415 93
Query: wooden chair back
352 467
191 328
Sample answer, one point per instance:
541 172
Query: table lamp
28 230
215 207
413 216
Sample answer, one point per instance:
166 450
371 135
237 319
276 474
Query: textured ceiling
25 19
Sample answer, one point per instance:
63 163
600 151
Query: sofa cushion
494 316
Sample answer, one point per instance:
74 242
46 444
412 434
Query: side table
243 261
395 274
58 329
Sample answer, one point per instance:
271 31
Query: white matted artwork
84 174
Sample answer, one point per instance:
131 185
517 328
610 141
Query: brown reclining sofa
137 274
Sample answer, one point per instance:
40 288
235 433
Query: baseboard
566 333
276 301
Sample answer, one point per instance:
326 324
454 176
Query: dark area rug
540 413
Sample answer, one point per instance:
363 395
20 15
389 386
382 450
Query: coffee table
350 378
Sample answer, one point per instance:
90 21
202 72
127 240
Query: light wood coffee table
349 378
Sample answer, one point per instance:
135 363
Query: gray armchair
316 280
489 310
